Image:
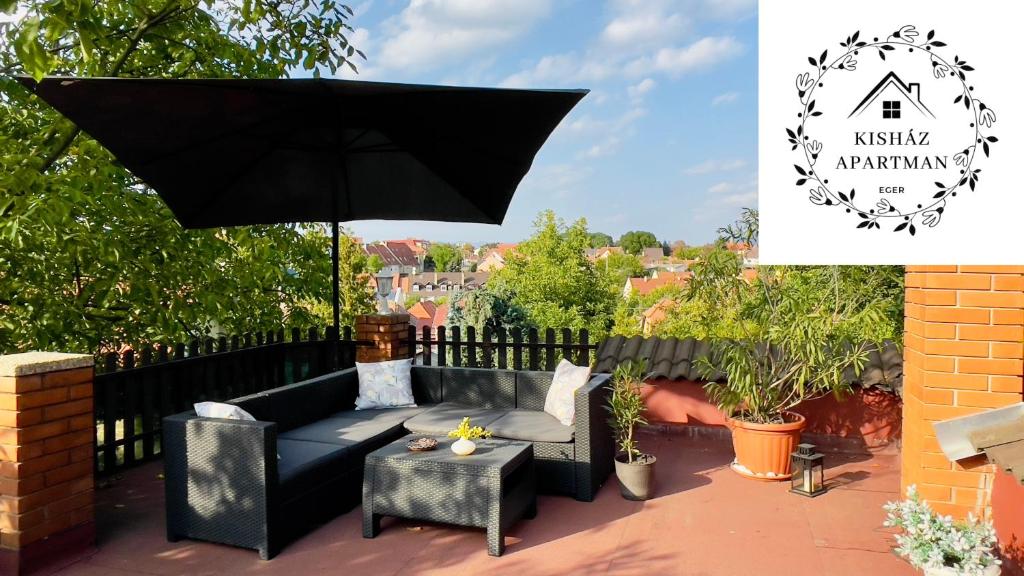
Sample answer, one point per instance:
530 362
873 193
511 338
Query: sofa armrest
220 479
595 447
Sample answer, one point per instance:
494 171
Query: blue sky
666 141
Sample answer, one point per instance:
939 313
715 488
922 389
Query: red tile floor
705 520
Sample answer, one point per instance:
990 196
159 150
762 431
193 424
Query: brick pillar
382 337
46 459
963 354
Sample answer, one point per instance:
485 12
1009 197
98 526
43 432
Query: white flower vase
463 447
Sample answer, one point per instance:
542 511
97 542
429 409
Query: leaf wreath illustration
854 47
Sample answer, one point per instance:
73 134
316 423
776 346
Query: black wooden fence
134 391
514 349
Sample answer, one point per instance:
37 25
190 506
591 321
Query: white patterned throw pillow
561 401
221 410
385 384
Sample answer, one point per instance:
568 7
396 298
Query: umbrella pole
334 265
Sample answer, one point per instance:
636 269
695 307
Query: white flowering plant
930 540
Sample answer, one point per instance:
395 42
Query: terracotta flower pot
762 450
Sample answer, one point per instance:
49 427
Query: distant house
750 258
427 314
655 315
652 257
494 259
660 278
397 256
433 285
595 254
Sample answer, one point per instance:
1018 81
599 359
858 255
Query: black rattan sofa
260 484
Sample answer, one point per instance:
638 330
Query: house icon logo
892 99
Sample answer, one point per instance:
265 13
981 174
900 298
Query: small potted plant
939 546
633 468
466 434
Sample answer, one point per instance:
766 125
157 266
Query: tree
486 307
374 264
617 267
682 251
550 277
446 257
89 256
634 242
354 291
600 240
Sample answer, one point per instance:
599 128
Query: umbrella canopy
242 152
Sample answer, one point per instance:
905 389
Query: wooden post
46 460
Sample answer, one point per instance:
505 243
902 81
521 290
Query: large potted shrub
633 468
793 335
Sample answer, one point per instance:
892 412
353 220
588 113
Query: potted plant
938 545
466 434
792 338
633 468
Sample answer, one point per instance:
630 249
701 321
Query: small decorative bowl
421 444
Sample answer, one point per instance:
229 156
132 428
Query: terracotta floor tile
705 520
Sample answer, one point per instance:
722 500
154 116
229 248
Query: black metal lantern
808 471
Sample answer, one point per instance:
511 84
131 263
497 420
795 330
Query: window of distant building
891 109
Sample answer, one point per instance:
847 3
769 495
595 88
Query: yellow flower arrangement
467 432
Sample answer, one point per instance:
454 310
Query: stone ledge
29 363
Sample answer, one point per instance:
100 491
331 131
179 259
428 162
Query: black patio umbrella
241 152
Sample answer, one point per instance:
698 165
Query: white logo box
907 134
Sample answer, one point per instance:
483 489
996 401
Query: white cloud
639 28
596 66
676 61
725 98
638 90
430 34
733 194
715 166
606 147
557 181
730 9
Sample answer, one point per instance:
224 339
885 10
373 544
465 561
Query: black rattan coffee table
491 488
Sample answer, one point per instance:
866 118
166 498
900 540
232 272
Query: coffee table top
493 457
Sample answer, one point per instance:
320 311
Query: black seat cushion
447 416
302 466
531 426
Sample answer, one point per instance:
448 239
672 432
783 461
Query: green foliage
374 264
551 278
486 307
626 406
795 334
683 251
88 255
634 242
617 267
600 240
446 257
745 230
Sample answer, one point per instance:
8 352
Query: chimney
915 91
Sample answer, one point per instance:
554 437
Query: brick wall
46 459
382 337
964 344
